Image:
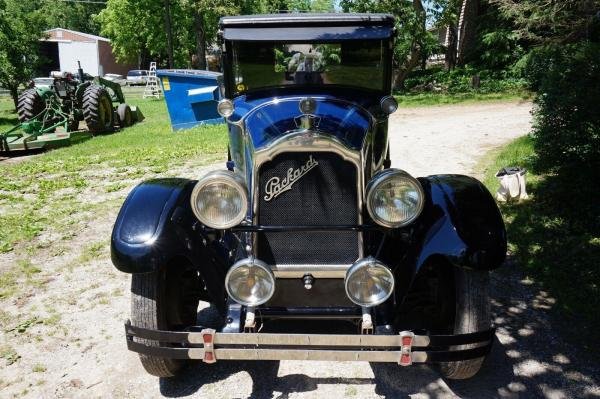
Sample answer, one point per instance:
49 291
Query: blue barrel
191 96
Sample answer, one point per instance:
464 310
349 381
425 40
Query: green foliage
543 21
430 99
75 16
459 80
555 236
567 120
137 30
137 27
21 25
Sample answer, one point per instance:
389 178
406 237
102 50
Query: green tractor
49 116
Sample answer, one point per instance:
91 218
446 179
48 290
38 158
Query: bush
459 80
566 127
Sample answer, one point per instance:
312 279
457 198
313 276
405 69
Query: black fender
463 223
156 225
460 222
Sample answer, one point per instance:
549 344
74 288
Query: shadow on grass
555 237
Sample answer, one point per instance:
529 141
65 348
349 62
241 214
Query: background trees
21 27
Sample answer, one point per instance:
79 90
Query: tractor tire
164 300
472 314
29 105
124 115
97 109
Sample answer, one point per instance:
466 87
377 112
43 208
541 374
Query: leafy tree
21 25
498 47
74 16
137 30
206 18
565 70
542 21
413 40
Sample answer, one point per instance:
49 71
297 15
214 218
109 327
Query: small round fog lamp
250 282
225 108
369 282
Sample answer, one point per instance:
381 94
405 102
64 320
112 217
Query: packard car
308 244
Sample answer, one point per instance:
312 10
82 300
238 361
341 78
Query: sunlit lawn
47 191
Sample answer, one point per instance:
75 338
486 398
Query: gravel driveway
529 359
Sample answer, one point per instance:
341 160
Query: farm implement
49 116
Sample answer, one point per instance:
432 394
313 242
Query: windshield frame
229 75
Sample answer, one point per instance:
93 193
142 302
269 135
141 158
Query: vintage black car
308 244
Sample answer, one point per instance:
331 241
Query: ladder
152 88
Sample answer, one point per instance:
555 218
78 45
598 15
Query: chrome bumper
405 348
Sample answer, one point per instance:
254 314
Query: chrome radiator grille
323 191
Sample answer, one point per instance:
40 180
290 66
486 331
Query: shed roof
86 35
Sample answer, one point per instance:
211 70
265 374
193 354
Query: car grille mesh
325 195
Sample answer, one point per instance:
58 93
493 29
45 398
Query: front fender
156 225
460 223
463 224
144 237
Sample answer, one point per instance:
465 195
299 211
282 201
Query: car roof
323 19
299 27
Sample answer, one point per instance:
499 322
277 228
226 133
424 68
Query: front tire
164 300
125 116
472 314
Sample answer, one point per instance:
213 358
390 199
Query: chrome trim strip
317 271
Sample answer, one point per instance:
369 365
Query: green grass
431 99
8 116
555 236
55 194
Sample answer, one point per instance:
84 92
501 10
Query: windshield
134 73
269 64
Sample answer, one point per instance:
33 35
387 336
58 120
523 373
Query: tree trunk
14 93
415 53
408 66
467 26
169 32
200 41
451 41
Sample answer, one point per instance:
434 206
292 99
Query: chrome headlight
225 108
394 198
250 282
369 282
220 199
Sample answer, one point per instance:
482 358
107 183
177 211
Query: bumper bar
404 349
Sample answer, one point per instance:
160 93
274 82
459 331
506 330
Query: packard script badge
276 186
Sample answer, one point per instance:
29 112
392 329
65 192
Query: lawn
555 237
430 99
44 196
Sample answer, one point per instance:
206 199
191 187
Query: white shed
65 47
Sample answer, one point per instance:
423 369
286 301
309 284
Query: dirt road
82 353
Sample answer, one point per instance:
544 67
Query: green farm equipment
49 116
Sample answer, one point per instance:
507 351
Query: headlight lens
394 198
225 108
369 282
250 282
220 200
